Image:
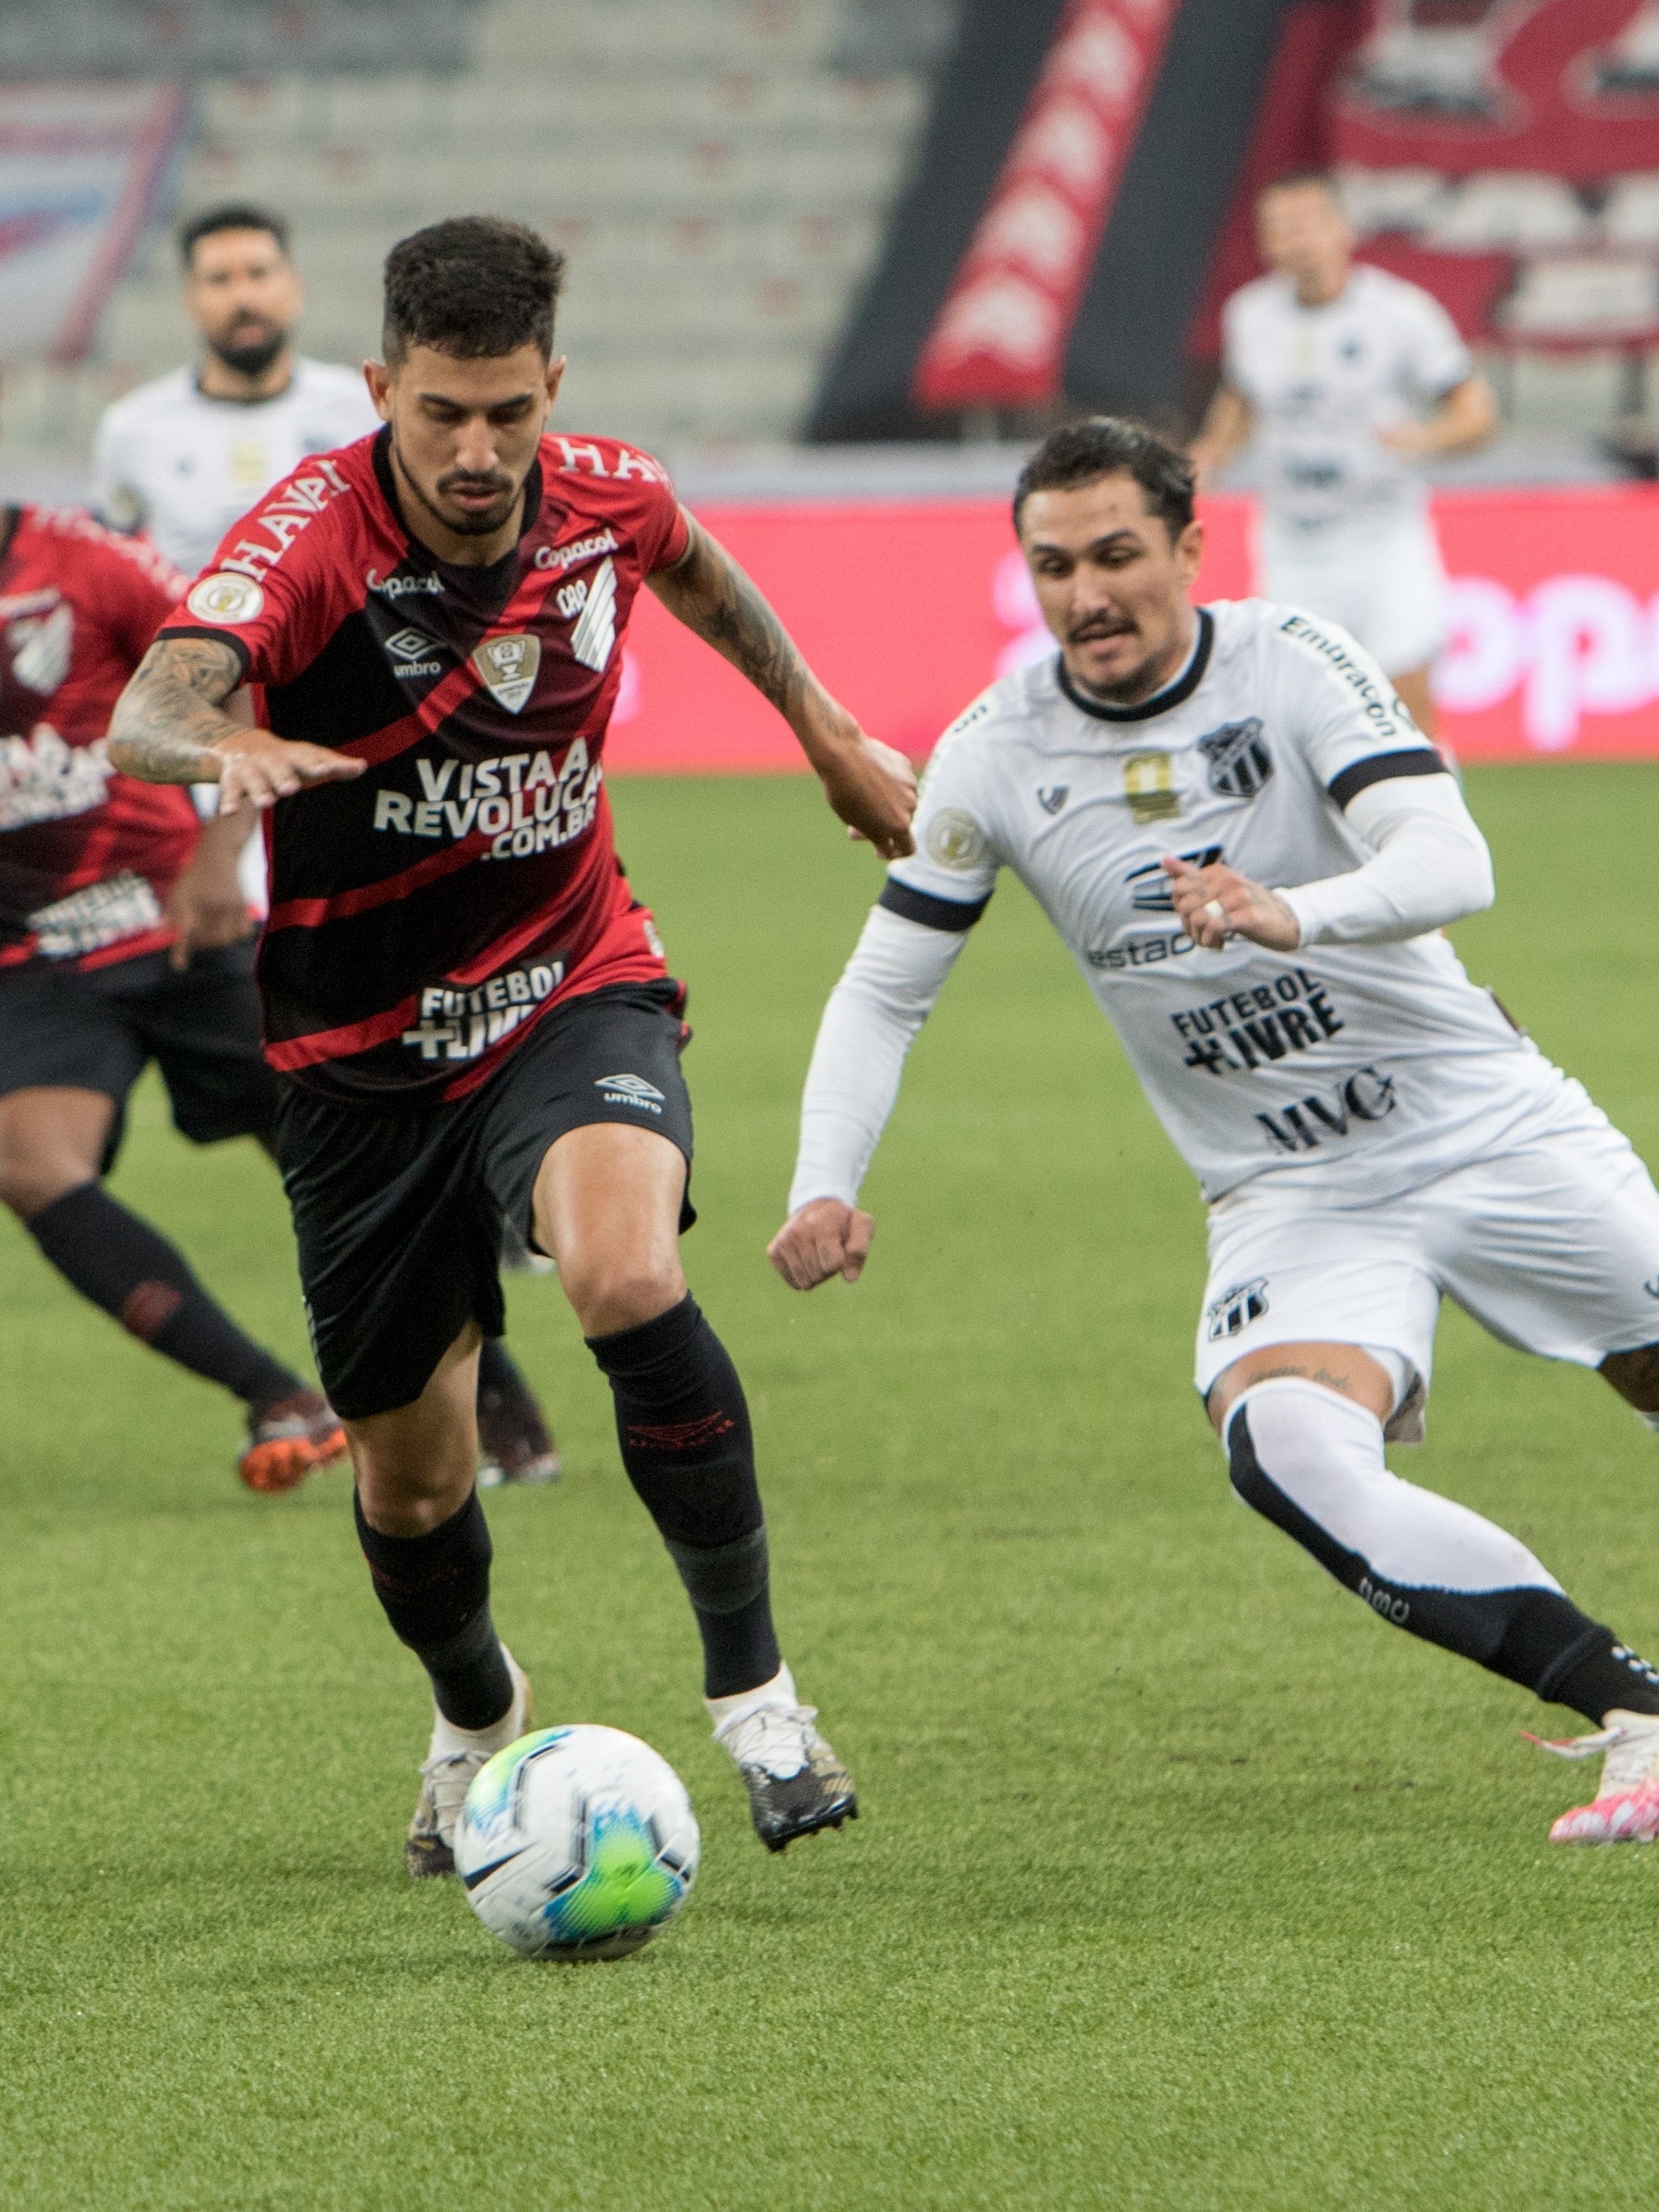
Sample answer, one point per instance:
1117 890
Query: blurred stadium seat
719 172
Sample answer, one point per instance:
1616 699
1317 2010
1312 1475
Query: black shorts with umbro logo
398 1213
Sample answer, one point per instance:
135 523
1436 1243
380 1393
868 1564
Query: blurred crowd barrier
908 609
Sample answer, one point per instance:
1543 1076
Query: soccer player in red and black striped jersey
470 1013
122 940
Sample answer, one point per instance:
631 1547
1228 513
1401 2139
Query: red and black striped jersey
423 917
87 856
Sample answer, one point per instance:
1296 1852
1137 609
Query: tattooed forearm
170 713
710 594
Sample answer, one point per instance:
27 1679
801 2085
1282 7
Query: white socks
1325 1453
779 1691
450 1741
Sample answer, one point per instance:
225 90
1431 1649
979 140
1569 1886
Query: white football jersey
1322 382
170 461
1364 1070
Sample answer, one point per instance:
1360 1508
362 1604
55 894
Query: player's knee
621 1291
30 1182
1635 1376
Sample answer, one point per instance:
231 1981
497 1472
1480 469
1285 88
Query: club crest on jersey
593 604
1240 760
507 667
1236 1308
1051 798
1149 787
42 646
226 598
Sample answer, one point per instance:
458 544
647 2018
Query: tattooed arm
170 727
872 787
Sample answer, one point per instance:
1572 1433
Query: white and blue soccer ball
577 1843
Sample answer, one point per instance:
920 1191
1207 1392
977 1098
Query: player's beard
1124 690
250 345
464 524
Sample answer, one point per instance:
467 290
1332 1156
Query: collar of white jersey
1174 694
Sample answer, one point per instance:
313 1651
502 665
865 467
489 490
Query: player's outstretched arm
170 727
872 787
874 1012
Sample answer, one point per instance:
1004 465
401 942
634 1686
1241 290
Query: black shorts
398 1214
65 1028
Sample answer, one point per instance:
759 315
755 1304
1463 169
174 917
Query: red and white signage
907 611
999 339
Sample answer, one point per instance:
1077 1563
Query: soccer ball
577 1843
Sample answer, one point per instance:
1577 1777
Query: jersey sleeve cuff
932 912
238 646
1411 760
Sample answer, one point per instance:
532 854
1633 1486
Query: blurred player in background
1352 378
1372 1131
181 459
471 1013
122 940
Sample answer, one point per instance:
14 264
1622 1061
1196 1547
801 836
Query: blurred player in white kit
182 459
1350 378
1371 1130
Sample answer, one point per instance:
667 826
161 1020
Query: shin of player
471 1012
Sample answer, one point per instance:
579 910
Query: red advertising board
907 610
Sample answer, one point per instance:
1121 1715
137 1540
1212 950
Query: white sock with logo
779 1692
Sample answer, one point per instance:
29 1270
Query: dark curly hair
1080 453
474 287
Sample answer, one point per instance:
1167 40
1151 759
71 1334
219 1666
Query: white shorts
1553 1244
1385 584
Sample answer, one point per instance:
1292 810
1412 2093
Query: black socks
120 1263
435 1591
1603 1678
684 1427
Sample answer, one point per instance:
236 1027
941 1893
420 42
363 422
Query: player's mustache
1100 625
459 481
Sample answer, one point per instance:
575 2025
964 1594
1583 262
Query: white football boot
795 1783
452 1758
1625 1809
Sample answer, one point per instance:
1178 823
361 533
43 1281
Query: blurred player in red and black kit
122 940
469 1012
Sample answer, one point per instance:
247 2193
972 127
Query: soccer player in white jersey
1350 378
184 458
1251 850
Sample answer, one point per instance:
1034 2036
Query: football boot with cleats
795 1783
288 1437
446 1777
1625 1808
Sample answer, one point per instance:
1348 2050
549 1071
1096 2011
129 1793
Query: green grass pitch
1182 1882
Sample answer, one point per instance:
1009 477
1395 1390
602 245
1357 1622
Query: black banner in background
977 105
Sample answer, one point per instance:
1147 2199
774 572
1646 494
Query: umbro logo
1051 798
1652 1288
629 1090
413 654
